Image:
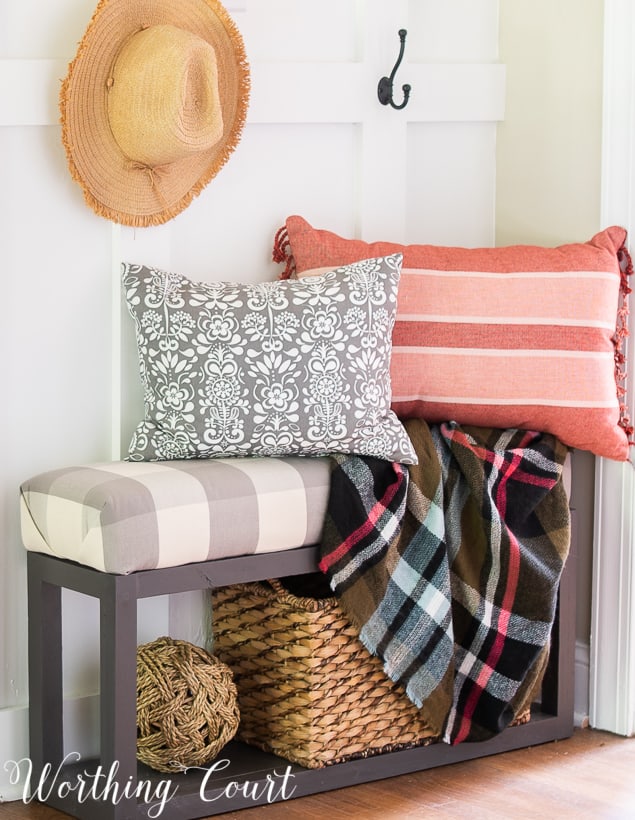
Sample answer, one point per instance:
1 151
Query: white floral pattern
280 368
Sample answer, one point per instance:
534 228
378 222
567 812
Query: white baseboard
581 694
14 745
81 734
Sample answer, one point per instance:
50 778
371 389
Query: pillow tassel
621 332
282 253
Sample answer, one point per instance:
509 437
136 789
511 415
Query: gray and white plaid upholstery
121 516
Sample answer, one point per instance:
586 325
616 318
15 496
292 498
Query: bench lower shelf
249 777
243 777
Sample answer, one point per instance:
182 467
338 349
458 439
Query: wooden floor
592 775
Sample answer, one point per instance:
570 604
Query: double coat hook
384 89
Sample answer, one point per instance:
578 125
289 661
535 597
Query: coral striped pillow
520 336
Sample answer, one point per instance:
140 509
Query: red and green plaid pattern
450 568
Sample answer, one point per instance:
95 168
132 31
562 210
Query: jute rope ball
186 705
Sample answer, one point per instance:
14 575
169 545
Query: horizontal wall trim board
29 90
294 93
339 92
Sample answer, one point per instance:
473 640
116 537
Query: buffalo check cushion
122 516
518 336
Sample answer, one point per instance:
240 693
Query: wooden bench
251 777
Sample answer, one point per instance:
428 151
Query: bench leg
559 681
117 597
118 690
46 733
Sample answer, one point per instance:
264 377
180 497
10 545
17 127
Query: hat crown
163 97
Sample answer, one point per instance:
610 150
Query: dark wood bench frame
118 595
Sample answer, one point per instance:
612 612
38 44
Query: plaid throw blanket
450 569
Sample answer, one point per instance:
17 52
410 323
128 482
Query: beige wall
549 164
548 155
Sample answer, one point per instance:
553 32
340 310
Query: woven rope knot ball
186 705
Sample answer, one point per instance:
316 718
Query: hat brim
115 188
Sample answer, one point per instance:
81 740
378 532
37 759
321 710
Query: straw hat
153 105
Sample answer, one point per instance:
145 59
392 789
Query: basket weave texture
186 705
308 690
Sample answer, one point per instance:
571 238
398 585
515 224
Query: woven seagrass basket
308 690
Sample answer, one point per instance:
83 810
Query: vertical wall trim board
116 374
612 673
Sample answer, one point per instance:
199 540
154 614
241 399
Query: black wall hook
384 89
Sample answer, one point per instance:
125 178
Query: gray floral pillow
300 367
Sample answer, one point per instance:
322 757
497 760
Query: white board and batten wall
317 143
